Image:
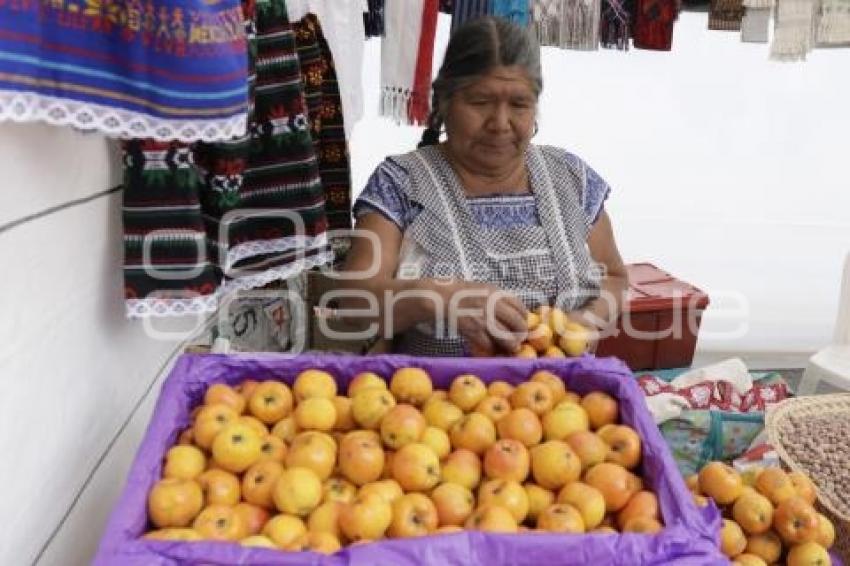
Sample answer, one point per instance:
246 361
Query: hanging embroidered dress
324 107
160 69
203 220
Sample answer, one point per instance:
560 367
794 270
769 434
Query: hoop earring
536 129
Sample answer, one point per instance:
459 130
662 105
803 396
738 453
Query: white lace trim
115 122
154 306
171 307
276 273
262 247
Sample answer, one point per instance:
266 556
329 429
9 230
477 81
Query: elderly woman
478 228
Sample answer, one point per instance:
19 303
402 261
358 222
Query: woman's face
490 122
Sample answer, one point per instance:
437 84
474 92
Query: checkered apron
547 264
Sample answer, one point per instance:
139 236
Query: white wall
72 368
727 169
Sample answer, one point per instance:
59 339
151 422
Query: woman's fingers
478 339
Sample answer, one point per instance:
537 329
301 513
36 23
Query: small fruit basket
660 521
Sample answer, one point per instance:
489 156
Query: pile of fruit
305 468
768 514
552 334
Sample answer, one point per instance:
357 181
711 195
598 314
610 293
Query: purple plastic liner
690 536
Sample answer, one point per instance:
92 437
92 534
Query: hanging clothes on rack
324 108
755 25
420 102
725 15
615 28
466 10
515 11
794 29
158 70
204 220
569 24
373 18
406 54
653 25
833 23
343 29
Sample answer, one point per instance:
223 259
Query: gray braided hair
474 49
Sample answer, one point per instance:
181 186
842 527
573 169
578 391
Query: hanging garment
447 6
343 29
654 21
373 18
793 36
834 23
127 69
466 10
406 53
755 25
615 25
420 102
725 15
569 24
204 220
515 11
324 108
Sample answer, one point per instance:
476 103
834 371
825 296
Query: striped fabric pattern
615 24
166 69
202 220
466 10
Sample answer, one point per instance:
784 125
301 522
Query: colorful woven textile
163 69
653 25
203 220
343 29
324 108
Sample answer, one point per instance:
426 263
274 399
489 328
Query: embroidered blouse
494 212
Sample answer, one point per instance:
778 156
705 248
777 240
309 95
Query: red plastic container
660 321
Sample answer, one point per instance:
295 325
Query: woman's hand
490 319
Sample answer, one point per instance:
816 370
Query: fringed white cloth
794 32
399 51
569 24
